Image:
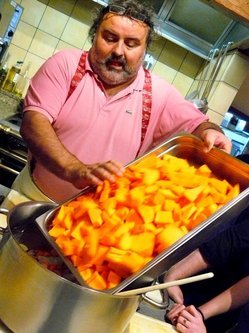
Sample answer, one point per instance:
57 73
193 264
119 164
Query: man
88 114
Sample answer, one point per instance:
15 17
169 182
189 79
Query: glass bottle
3 73
12 77
22 82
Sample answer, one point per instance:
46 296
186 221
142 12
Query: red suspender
147 94
80 72
147 103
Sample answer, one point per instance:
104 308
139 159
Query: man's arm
45 147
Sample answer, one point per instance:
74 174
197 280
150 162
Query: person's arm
232 298
47 148
190 319
188 266
213 136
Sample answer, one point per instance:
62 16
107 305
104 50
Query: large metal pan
223 166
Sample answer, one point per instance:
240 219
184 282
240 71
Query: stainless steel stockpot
36 300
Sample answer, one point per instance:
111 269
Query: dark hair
133 9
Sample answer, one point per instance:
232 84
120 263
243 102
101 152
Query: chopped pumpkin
115 231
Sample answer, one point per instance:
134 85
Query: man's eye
131 44
110 38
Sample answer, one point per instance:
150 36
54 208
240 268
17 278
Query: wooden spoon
165 285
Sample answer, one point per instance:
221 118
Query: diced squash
150 176
164 217
147 213
115 231
167 237
113 279
193 193
95 215
136 196
143 243
96 281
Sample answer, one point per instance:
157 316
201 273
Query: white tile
33 11
53 22
164 71
214 116
87 45
23 35
15 54
62 46
222 98
36 62
236 70
75 33
43 44
182 83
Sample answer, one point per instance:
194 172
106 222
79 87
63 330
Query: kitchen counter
9 104
139 324
144 324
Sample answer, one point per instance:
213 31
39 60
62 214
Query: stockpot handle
160 305
4 231
164 303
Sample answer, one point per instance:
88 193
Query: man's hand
81 175
213 138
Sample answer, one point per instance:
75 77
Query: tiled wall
43 30
228 82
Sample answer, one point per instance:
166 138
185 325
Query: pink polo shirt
98 128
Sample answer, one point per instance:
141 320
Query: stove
12 124
13 150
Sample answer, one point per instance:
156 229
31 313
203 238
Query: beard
114 69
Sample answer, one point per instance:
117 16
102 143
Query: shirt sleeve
176 114
49 87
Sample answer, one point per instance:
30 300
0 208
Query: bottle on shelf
3 73
22 82
12 77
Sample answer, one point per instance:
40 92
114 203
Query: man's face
118 49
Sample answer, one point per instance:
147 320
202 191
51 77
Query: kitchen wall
241 100
43 30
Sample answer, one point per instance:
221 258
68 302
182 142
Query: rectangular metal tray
222 165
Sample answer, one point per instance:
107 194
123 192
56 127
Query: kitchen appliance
13 150
11 13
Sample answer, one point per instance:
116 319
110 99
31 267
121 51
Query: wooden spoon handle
165 285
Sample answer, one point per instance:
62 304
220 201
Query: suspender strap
79 73
147 94
146 109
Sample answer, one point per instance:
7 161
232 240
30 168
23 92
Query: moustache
120 61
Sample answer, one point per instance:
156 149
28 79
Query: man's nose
119 48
